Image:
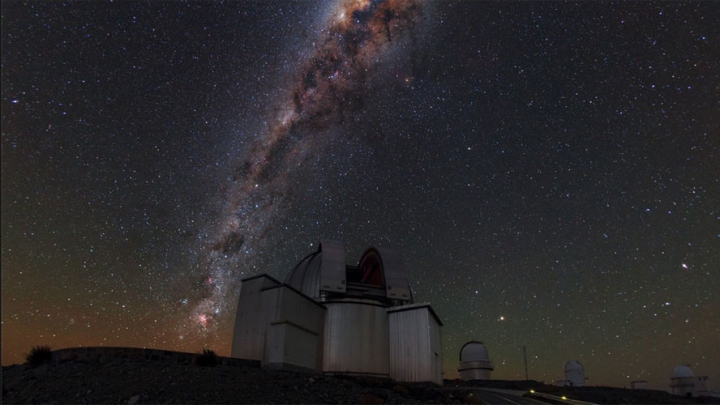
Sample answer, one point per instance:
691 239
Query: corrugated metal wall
435 330
294 336
409 346
415 344
396 281
332 268
356 339
277 326
251 319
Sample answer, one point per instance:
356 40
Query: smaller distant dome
474 351
682 372
574 365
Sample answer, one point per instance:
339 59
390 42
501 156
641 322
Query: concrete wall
475 370
701 384
575 377
683 386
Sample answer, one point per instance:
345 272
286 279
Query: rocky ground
147 382
150 382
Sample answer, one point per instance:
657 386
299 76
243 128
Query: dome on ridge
574 365
682 372
474 351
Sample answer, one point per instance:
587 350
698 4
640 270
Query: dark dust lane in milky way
328 87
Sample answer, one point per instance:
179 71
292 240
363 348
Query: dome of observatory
320 272
682 372
474 351
305 277
323 275
574 365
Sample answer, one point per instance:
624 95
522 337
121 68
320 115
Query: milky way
547 170
328 87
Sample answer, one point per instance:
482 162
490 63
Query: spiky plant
208 358
39 355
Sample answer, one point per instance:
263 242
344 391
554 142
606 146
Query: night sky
549 171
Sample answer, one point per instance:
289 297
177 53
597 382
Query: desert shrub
208 358
39 355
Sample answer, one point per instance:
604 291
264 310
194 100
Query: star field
549 171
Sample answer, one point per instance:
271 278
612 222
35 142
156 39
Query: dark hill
141 381
144 376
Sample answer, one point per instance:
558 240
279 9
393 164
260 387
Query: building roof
324 271
305 277
574 365
410 307
682 372
474 351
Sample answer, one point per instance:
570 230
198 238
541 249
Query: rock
133 400
369 399
40 371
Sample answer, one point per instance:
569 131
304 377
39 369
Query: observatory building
330 317
475 362
574 375
683 382
639 385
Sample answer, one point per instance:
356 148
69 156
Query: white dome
682 372
574 365
474 351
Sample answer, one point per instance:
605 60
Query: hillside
144 376
142 382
